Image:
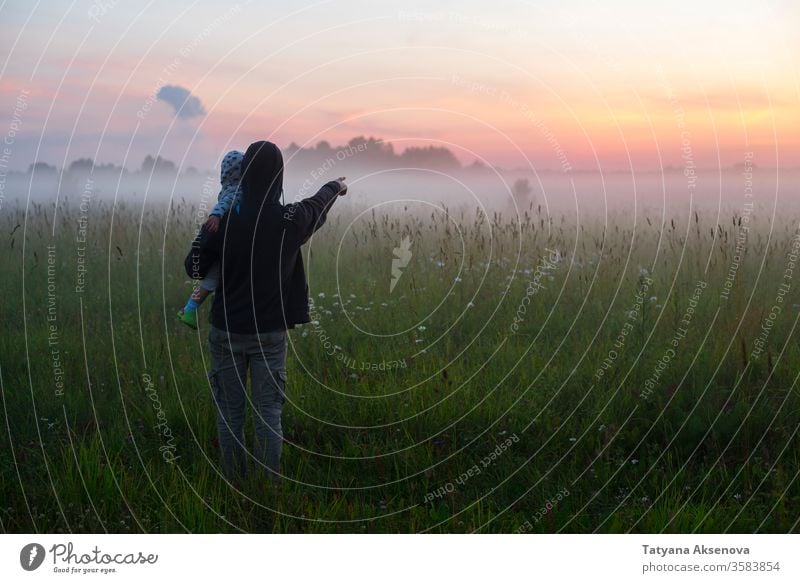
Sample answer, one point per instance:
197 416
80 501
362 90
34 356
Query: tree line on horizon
359 151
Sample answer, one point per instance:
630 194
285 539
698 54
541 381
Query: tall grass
394 397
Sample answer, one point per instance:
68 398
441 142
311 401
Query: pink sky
605 85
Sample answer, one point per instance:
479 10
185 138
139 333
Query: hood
262 179
231 169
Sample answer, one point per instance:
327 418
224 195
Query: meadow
525 373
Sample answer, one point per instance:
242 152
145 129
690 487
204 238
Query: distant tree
42 168
148 163
372 152
430 157
109 169
81 166
157 165
521 189
324 148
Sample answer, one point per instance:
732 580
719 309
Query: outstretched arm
309 215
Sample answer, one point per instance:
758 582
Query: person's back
259 256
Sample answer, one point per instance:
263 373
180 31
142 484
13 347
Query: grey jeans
264 356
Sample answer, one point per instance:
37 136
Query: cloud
185 104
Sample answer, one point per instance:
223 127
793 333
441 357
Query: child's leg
200 294
197 298
207 285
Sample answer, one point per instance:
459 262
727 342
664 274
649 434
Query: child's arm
224 203
220 209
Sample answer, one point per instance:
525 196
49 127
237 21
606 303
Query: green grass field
523 376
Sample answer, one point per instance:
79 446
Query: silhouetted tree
157 165
521 189
477 166
324 149
430 157
42 168
81 166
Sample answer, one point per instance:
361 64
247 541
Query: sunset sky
551 84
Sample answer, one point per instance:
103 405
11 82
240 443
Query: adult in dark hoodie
262 292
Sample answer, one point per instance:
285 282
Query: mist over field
585 196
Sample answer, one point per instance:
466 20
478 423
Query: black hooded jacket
262 286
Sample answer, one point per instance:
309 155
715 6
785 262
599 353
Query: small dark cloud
185 104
